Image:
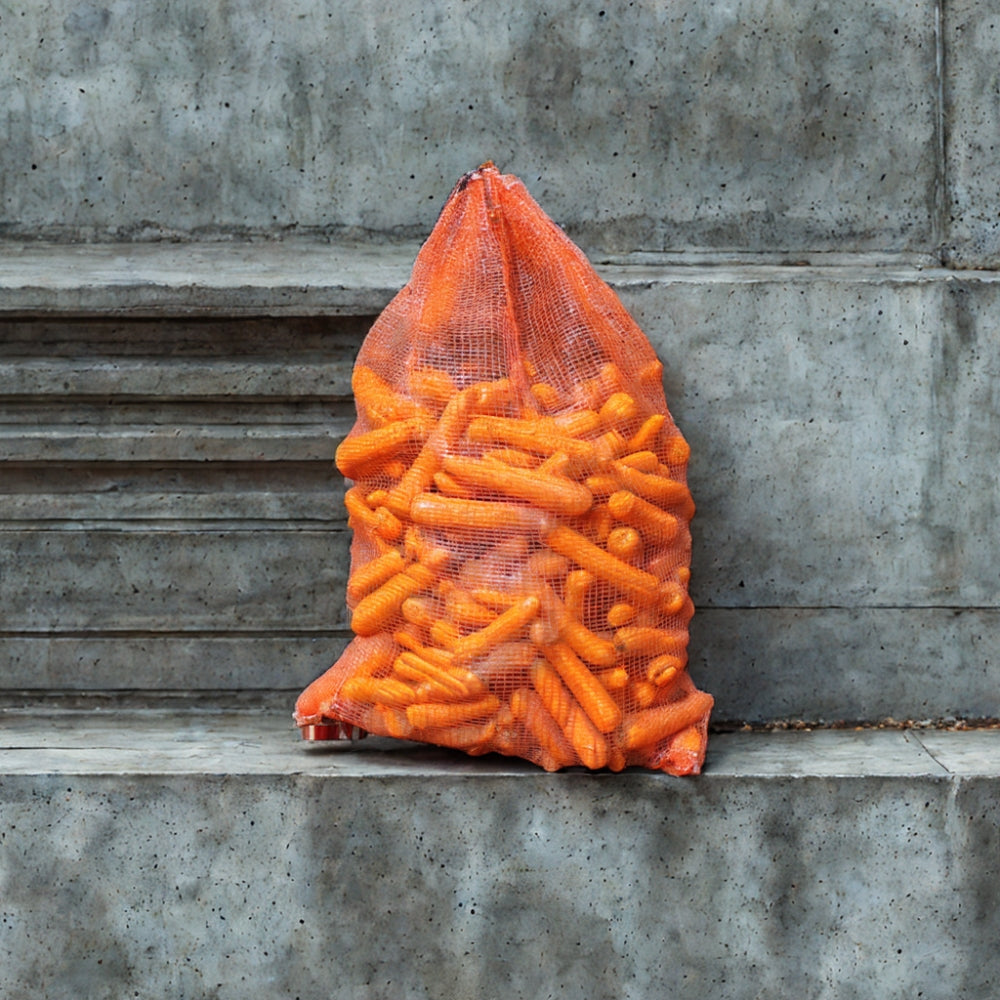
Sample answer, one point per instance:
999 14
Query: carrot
449 684
373 574
503 628
419 611
641 514
378 690
451 713
380 522
676 451
393 722
547 565
456 514
511 456
591 695
556 699
602 484
360 454
651 725
646 435
378 401
577 424
578 581
625 543
450 486
590 746
660 489
473 738
540 436
661 670
374 611
644 640
528 708
603 565
463 609
540 489
620 614
432 385
644 461
619 408
547 396
615 679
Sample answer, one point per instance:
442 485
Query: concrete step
193 853
171 518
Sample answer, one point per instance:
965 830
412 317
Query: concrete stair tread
176 742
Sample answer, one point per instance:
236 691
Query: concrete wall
793 127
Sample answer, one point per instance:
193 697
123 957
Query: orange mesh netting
520 510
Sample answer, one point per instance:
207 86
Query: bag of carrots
520 511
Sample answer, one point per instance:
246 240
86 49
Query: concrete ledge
214 855
300 277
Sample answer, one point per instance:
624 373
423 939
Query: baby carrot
644 640
450 713
373 574
602 564
463 609
578 582
619 408
547 565
644 461
378 691
512 456
374 611
432 385
450 486
592 696
625 543
651 725
676 451
615 679
419 611
378 401
379 522
528 708
620 614
590 746
455 513
580 423
443 682
646 435
541 489
663 669
359 454
552 692
540 436
660 489
504 627
547 396
639 513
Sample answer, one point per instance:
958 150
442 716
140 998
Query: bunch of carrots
519 571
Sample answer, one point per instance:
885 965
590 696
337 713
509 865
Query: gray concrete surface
196 856
790 126
971 90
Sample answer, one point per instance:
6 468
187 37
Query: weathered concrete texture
972 132
184 858
790 126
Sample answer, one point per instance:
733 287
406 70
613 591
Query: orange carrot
578 582
590 746
676 451
529 709
419 611
591 694
615 679
450 713
547 396
453 683
380 522
646 435
540 436
552 692
651 520
374 611
620 614
359 454
379 691
547 565
663 669
619 408
511 456
644 640
432 385
454 513
373 574
549 492
651 725
603 565
625 543
450 486
503 628
660 489
378 401
644 461
463 609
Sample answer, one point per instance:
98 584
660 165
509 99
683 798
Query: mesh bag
519 507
